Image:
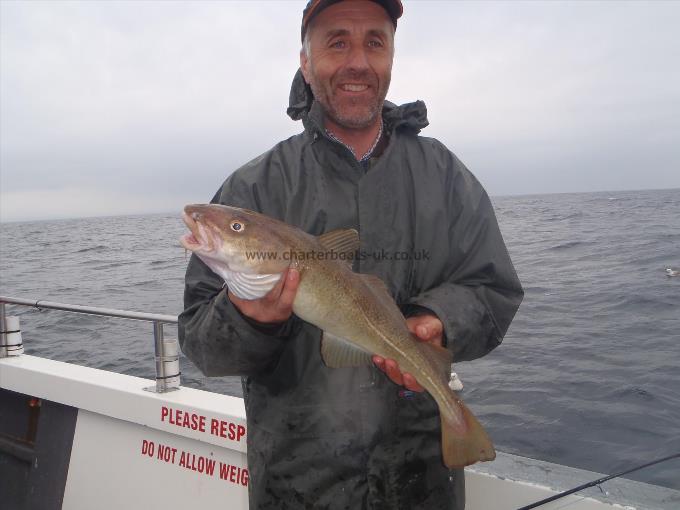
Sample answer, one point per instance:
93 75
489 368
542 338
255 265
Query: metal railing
166 349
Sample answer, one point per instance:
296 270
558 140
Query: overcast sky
131 107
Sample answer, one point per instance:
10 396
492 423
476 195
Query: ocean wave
46 244
145 283
568 244
634 392
113 265
98 248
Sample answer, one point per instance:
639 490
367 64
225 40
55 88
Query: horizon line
156 213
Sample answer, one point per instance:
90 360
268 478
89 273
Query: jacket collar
410 117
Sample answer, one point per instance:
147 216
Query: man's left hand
426 328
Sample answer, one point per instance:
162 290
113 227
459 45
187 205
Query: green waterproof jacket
349 438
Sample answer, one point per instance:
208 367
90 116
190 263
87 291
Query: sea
587 376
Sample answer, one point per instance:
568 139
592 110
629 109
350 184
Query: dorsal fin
376 284
380 290
343 241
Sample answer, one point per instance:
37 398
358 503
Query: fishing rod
596 482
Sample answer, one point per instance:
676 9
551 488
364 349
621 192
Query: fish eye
237 226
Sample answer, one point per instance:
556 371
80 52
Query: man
354 437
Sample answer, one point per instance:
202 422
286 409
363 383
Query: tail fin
464 441
463 449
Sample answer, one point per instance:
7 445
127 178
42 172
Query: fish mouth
199 238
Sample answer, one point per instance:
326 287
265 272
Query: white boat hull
138 449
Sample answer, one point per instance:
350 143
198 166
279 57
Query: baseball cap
314 7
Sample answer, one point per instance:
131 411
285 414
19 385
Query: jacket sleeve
213 334
480 291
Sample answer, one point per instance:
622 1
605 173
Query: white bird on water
671 272
454 382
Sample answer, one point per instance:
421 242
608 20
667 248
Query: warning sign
200 423
199 463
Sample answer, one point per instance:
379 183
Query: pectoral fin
338 352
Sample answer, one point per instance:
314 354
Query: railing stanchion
167 361
3 335
11 344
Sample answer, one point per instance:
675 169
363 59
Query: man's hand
276 306
426 328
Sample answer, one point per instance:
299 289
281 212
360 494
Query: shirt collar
368 153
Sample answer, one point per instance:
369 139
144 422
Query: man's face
351 46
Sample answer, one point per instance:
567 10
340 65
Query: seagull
454 382
671 272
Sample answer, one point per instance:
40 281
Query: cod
359 318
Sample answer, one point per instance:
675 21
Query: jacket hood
301 106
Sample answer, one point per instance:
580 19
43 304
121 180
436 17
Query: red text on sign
234 474
227 429
183 419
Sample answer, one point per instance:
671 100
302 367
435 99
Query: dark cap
314 7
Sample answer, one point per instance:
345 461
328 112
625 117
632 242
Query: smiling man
368 436
347 61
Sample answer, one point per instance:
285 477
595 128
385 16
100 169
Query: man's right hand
276 306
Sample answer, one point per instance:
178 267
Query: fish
358 316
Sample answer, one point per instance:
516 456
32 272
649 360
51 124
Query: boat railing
166 349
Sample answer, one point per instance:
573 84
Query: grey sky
128 107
